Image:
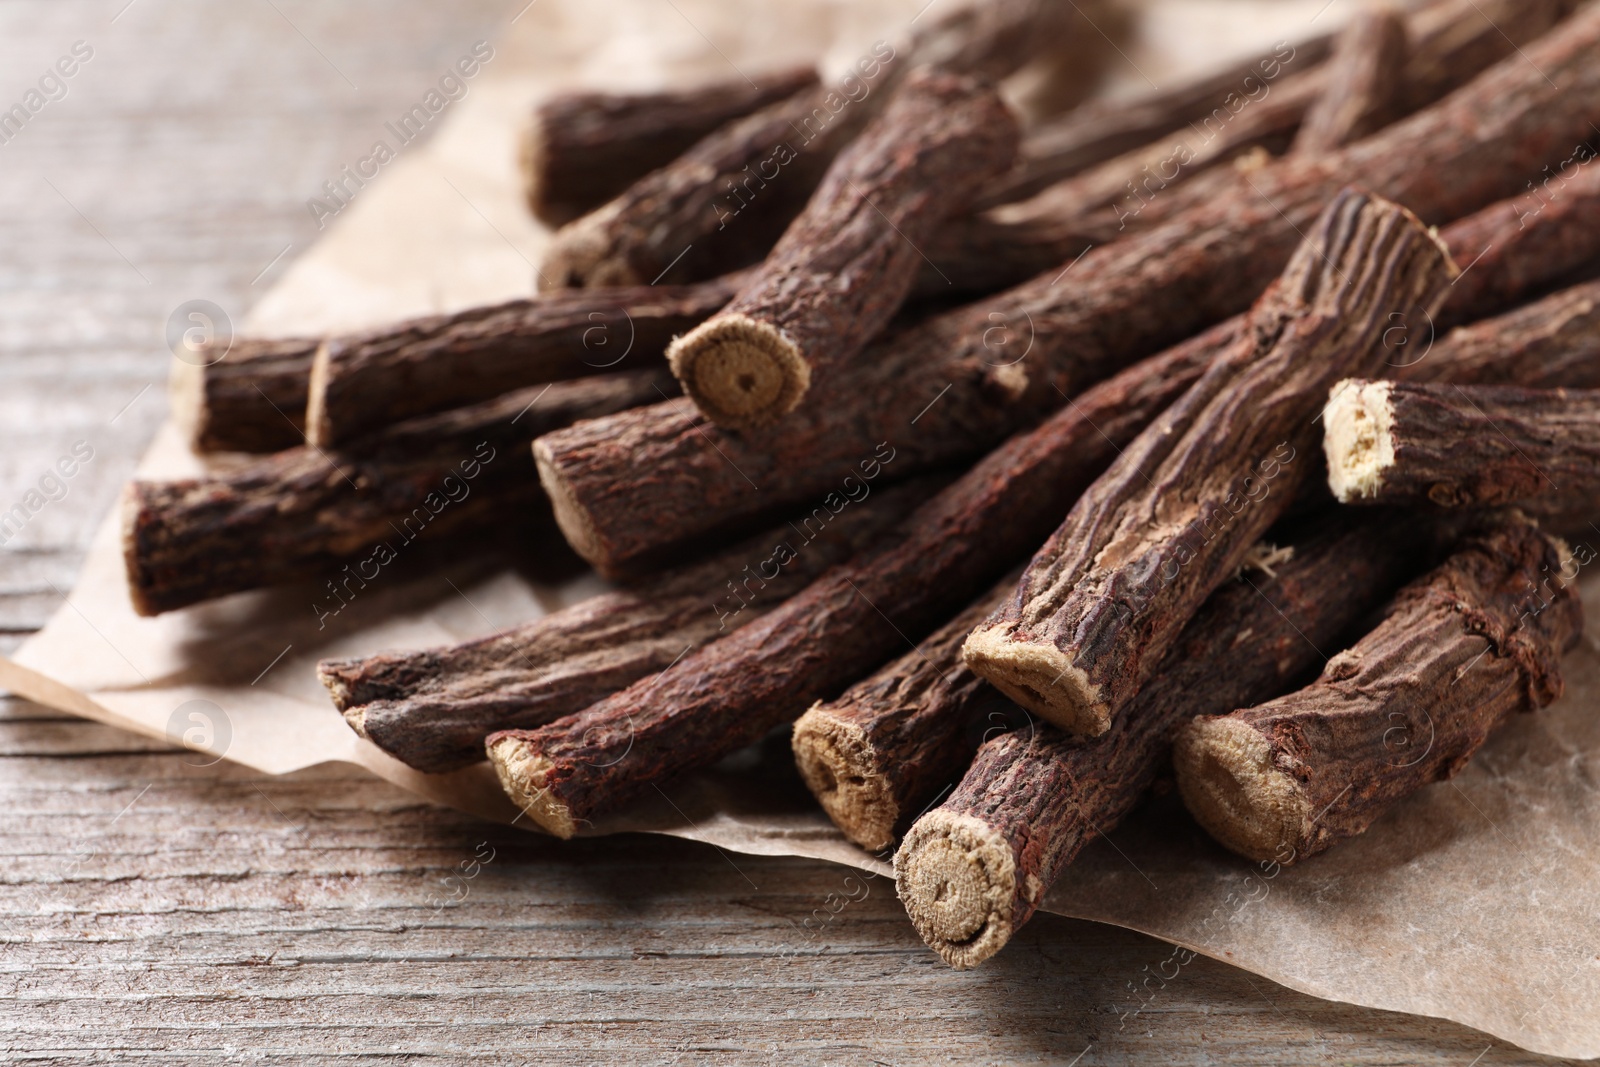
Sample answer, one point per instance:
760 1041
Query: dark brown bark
251 400
1101 131
1258 105
362 383
1551 343
1455 446
1114 586
1453 42
582 149
973 871
988 252
1075 326
432 708
882 748
722 204
844 266
729 693
1119 190
1521 244
1364 83
304 512
1463 649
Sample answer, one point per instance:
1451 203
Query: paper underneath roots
1474 901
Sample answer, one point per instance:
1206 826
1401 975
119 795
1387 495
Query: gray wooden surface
152 910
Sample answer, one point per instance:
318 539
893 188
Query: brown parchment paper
1475 901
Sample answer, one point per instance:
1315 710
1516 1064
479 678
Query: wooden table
154 910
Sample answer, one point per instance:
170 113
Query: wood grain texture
845 624
1547 343
251 399
722 204
973 870
1463 649
432 708
363 383
583 148
157 911
844 266
345 515
1365 85
1455 446
1117 582
1101 131
1004 362
877 754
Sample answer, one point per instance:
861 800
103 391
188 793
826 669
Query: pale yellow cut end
1230 786
522 775
840 769
319 429
1041 678
582 255
338 689
741 372
571 516
1356 437
186 393
357 718
958 882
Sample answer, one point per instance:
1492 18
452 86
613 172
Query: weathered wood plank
155 911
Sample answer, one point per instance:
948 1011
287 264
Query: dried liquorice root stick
304 512
1365 83
582 149
1173 517
1264 112
253 399
972 871
1452 42
846 263
1522 243
960 382
1463 649
729 693
1100 131
363 383
722 204
433 708
1463 446
988 252
1551 343
878 753
1118 190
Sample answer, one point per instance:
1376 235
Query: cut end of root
571 517
742 372
186 393
357 720
337 683
319 428
840 768
582 256
1356 435
132 506
958 881
522 772
1040 678
1228 781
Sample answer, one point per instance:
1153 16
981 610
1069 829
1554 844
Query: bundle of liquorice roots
1293 371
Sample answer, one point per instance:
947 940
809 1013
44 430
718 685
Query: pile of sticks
1001 563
